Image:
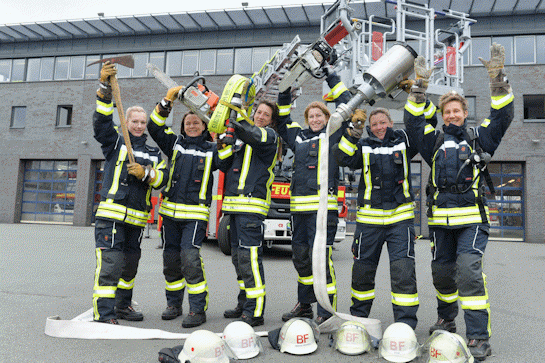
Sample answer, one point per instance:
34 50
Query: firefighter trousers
367 247
457 271
302 242
246 236
117 255
182 263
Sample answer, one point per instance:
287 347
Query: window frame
70 113
13 114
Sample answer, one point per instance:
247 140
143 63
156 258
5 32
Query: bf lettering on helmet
434 353
397 345
246 343
302 338
351 337
219 350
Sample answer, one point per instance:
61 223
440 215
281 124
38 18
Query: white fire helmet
203 346
445 347
352 338
242 340
398 343
297 336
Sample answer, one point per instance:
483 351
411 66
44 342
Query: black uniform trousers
117 256
458 274
367 247
182 263
246 236
302 243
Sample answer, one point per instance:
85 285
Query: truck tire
224 242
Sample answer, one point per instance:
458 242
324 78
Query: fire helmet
297 336
242 340
398 343
203 346
352 338
445 347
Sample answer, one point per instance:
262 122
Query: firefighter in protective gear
399 344
203 346
445 347
385 214
247 201
185 207
458 215
352 338
297 336
124 207
242 340
305 144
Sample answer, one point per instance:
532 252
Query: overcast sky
30 11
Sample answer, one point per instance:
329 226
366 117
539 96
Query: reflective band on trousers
368 215
448 298
175 285
242 204
184 211
363 295
121 213
456 216
404 299
125 285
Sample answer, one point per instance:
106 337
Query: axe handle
117 96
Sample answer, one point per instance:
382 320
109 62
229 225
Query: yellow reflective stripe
501 101
197 288
474 302
415 109
225 152
184 211
448 298
257 292
430 111
206 176
175 285
172 167
245 167
368 215
126 285
335 92
245 205
284 110
366 171
217 197
457 216
263 134
241 284
117 171
331 287
429 128
347 147
294 125
271 173
406 175
104 291
363 295
310 202
307 280
405 299
110 210
486 122
157 119
104 108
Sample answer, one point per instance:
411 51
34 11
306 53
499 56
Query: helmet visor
352 339
443 346
398 350
245 347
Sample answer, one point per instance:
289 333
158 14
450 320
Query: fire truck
277 224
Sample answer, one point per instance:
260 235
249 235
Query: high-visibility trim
159 175
184 211
263 134
241 284
406 176
169 183
207 295
363 295
415 109
429 128
335 92
284 110
347 147
485 123
147 156
117 171
156 118
303 203
217 197
257 292
197 288
501 101
104 108
448 298
405 299
306 280
457 216
474 302
368 215
110 210
125 285
242 204
104 291
294 125
366 174
430 111
248 151
331 287
175 285
206 176
225 152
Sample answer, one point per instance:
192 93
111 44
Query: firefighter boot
479 348
443 324
301 310
233 313
128 313
171 312
194 319
252 320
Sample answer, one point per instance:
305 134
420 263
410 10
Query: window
77 67
158 60
140 61
62 64
471 108
18 116
5 70
46 69
91 72
174 63
190 64
259 58
480 47
64 116
534 108
224 62
33 70
18 70
243 60
507 43
540 46
525 50
207 62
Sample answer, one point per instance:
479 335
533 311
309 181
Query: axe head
124 60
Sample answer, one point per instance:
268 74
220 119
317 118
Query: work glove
499 85
137 170
172 93
105 89
419 86
221 143
358 121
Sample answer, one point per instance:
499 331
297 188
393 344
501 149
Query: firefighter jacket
306 144
384 192
250 176
456 191
123 197
188 192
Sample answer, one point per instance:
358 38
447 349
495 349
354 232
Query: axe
127 61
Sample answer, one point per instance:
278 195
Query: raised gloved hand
407 84
419 86
422 71
358 121
137 170
108 69
496 62
172 93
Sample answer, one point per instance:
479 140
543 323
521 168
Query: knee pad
403 276
469 276
443 276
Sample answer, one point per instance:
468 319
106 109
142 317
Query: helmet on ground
242 340
352 338
203 346
398 343
297 336
445 347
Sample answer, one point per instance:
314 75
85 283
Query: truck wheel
224 242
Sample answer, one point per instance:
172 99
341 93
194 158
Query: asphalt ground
48 270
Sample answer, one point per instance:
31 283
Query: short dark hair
381 110
275 112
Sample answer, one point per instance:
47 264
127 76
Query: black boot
443 324
479 348
194 319
233 313
171 312
252 320
128 313
299 311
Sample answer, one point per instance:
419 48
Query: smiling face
379 123
193 126
263 115
136 123
453 112
316 119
